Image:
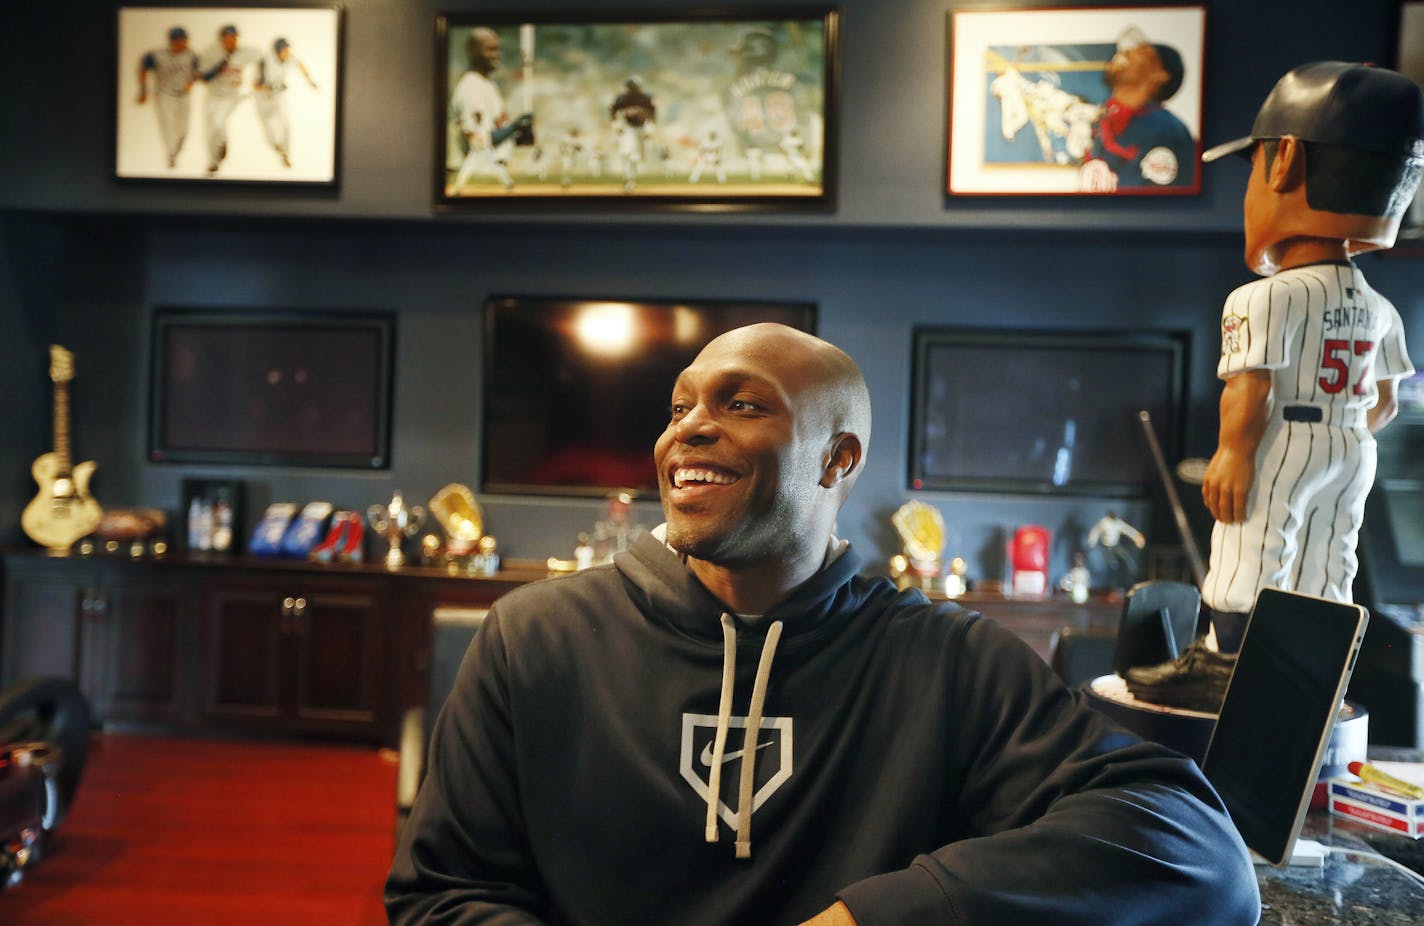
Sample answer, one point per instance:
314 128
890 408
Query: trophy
459 514
921 530
395 522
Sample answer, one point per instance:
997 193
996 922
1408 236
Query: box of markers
1376 806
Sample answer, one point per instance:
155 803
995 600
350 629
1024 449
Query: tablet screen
1278 713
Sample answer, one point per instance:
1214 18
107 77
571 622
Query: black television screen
1049 412
299 389
576 391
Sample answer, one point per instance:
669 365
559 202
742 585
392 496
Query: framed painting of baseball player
675 109
1076 101
228 94
1410 63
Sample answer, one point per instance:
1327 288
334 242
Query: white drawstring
724 720
744 798
753 729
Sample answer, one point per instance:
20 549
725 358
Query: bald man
486 135
728 724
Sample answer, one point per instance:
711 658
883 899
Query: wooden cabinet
204 643
45 601
117 629
134 635
298 654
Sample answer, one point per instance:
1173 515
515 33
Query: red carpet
214 833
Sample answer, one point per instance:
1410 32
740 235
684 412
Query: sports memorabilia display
394 522
1310 355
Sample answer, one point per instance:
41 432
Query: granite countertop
1354 888
1365 879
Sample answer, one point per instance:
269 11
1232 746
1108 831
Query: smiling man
613 736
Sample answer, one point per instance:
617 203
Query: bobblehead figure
1310 354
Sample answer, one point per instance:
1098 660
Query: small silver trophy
395 522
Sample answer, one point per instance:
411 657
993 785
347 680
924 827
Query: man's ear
1287 170
843 460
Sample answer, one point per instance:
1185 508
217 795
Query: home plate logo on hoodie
773 759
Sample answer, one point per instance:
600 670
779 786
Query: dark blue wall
84 261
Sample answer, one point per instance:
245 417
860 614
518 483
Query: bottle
222 524
583 553
489 557
195 514
205 524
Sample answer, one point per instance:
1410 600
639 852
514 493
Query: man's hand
142 96
838 914
1227 485
1245 405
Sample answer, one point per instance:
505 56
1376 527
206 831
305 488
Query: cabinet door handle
288 606
299 607
299 613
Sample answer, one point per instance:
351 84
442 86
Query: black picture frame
210 492
1043 412
271 388
282 80
714 110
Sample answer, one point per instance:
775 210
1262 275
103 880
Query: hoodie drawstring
753 729
724 720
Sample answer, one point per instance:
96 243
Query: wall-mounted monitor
576 391
1052 412
277 388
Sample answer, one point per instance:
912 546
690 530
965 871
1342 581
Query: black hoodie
914 760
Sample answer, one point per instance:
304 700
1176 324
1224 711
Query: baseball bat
1179 514
526 61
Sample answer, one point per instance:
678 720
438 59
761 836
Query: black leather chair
1079 656
44 744
1159 620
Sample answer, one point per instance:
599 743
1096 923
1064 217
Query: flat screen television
1053 412
279 388
576 391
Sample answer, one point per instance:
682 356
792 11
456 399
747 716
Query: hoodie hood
667 592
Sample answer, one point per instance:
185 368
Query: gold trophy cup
395 522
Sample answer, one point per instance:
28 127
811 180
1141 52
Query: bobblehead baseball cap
176 33
1340 103
228 30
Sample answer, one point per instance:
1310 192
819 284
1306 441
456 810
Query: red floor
211 833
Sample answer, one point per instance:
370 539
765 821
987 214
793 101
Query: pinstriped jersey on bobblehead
1327 338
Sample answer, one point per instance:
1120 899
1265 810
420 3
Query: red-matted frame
1028 94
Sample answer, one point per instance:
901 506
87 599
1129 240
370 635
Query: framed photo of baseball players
675 109
228 94
1091 101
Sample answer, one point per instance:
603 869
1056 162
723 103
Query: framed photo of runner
693 110
228 94
1091 101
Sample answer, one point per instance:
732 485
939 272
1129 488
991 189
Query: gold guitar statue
63 511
